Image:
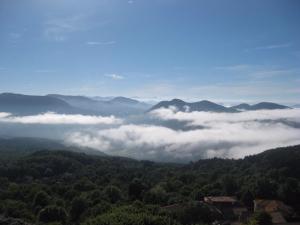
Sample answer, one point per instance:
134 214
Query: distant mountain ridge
207 106
32 104
123 100
181 105
259 106
118 106
68 104
296 106
72 98
26 145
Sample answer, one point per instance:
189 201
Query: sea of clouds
54 118
201 135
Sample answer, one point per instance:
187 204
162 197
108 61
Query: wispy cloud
271 73
44 71
270 47
114 76
100 43
238 67
258 71
15 35
54 118
59 29
205 118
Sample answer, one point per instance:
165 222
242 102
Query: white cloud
59 29
196 118
4 114
270 47
54 118
114 76
100 42
273 73
212 135
44 71
15 35
200 135
238 67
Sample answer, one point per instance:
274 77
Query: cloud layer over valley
59 119
230 135
200 134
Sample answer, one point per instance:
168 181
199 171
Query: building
221 200
230 207
276 209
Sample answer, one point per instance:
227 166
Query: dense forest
63 187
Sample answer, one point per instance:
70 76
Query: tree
78 206
229 185
41 199
135 189
289 191
247 198
265 188
113 193
260 218
156 195
52 214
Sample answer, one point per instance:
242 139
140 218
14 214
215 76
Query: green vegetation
260 218
60 187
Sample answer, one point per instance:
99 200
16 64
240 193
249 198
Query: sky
225 51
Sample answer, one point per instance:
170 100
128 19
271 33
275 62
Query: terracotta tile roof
277 209
220 199
277 217
271 206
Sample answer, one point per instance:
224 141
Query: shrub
52 214
41 199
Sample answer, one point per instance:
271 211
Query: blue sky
218 50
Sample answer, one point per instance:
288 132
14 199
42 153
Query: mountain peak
32 104
269 105
204 105
124 100
259 106
177 101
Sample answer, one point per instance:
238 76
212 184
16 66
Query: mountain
99 98
282 157
23 146
74 100
296 106
181 105
126 190
86 104
259 106
128 102
268 105
30 104
119 106
123 100
208 106
125 106
242 107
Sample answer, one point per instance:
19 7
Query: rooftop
271 206
220 199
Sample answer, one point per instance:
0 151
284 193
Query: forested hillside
62 187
